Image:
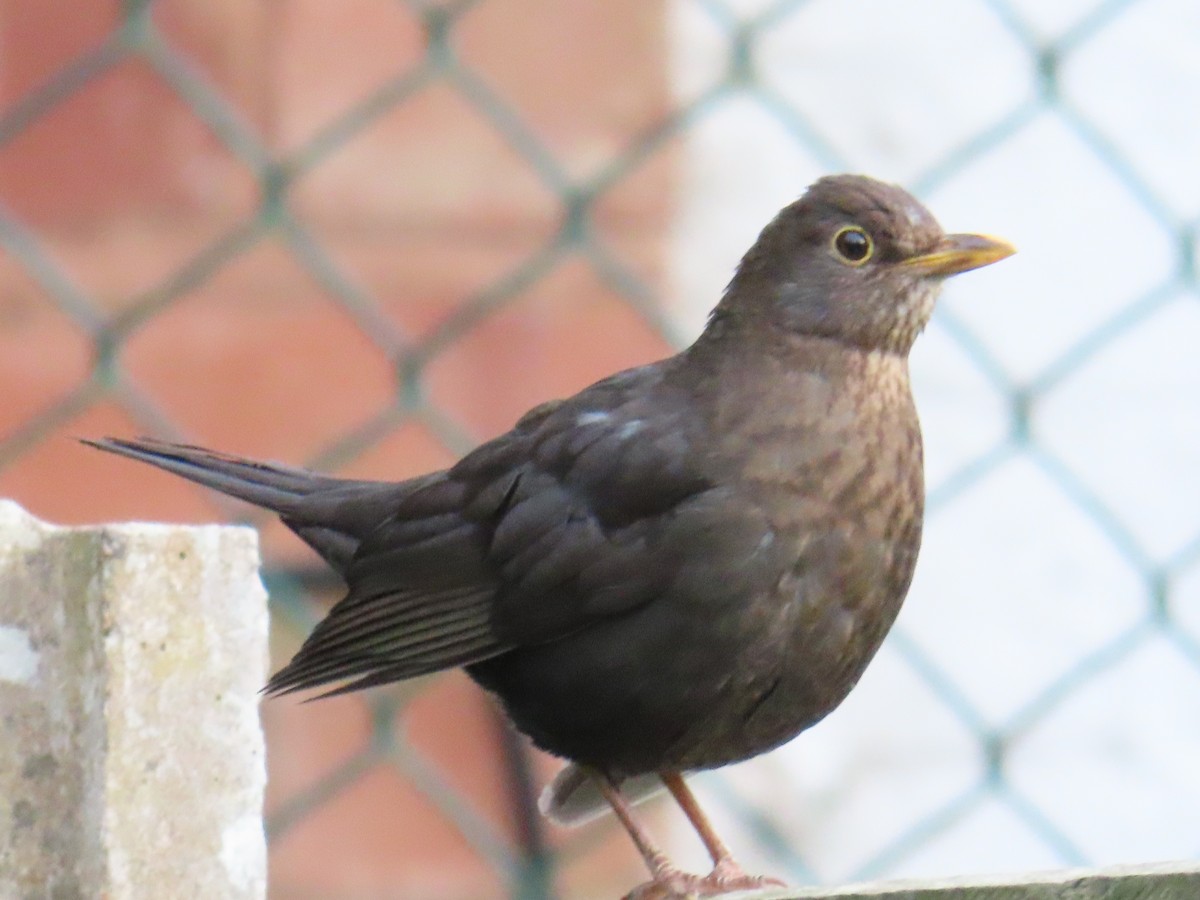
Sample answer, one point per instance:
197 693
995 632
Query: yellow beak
960 253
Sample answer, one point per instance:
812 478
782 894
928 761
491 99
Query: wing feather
531 537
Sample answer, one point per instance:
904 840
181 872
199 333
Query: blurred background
365 235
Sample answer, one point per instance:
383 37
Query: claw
725 878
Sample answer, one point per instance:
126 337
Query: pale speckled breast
841 480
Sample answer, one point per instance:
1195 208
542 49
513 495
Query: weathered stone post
131 755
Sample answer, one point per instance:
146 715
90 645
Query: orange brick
329 57
309 743
122 145
40 40
419 275
408 450
126 258
632 217
454 723
229 43
379 837
561 335
432 160
584 77
44 355
64 482
435 157
260 361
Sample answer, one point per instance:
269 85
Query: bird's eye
853 245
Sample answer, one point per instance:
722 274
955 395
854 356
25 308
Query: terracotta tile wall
122 185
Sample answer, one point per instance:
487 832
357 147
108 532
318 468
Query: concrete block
132 764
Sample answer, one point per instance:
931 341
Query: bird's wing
573 499
419 599
531 537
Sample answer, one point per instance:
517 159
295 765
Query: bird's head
854 260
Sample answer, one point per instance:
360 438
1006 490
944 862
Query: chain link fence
1005 388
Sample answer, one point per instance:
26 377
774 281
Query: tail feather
273 487
330 514
573 798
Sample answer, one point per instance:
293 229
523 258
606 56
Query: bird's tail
330 514
573 798
273 487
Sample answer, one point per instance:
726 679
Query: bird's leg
668 882
656 861
726 875
683 795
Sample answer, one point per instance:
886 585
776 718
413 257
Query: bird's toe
726 877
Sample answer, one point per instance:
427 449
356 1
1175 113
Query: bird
680 567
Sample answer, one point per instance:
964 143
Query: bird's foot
725 878
670 884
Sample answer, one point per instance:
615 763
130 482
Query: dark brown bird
685 564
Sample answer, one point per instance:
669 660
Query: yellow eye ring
853 245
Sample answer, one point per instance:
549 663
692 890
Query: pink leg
726 875
668 882
656 861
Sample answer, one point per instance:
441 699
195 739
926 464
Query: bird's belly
665 688
791 684
630 695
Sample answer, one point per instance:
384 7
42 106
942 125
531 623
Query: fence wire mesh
750 71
